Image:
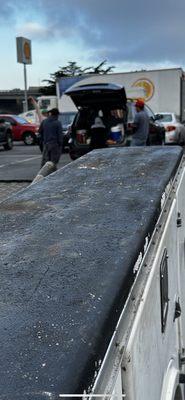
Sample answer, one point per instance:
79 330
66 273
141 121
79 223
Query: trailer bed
69 245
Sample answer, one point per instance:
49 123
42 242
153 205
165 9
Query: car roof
8 115
165 113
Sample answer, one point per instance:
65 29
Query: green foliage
72 69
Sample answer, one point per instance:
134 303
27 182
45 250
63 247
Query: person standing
98 135
140 125
50 131
41 114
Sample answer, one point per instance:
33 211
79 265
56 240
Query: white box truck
164 88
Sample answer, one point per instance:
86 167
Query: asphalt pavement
23 163
19 166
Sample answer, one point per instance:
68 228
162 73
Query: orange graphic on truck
147 85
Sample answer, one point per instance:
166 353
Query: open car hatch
98 95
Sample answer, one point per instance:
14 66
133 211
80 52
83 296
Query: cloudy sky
129 35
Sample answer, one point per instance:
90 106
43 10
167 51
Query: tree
72 69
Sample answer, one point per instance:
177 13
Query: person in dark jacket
51 135
98 134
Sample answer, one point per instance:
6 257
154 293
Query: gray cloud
121 31
7 12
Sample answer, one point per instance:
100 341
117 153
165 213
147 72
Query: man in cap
141 125
51 132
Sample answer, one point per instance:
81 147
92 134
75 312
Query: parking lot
19 167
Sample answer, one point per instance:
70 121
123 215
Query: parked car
30 116
66 119
6 137
21 128
109 101
174 129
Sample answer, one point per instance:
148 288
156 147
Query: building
11 101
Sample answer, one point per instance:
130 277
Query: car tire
65 149
9 144
180 141
29 138
73 155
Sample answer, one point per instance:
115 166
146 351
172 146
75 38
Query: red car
22 129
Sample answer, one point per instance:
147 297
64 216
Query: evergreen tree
70 70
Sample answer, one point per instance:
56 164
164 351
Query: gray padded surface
68 248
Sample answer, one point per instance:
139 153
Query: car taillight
170 128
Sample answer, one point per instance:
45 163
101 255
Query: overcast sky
130 35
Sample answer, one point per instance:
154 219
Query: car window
166 118
117 116
8 119
45 103
30 114
67 118
20 120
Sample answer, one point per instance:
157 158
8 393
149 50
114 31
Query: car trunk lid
98 95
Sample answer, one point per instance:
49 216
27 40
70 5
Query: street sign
24 57
23 50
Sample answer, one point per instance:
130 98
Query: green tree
72 69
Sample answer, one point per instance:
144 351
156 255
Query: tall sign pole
25 89
24 57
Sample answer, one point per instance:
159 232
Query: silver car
174 129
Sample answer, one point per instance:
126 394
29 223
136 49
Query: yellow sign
147 85
23 50
27 50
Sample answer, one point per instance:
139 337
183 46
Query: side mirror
2 121
13 123
158 117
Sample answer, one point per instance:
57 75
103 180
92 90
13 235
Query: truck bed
69 245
